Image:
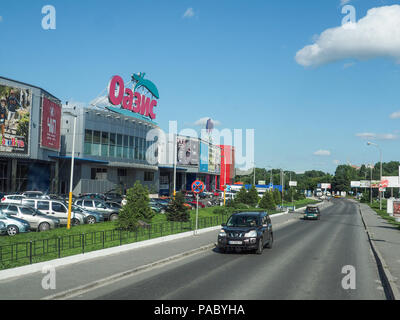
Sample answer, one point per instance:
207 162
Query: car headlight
251 234
222 233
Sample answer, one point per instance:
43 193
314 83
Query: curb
11 273
391 291
120 276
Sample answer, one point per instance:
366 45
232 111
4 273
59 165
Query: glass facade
107 144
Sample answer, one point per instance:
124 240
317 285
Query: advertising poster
15 117
51 123
187 151
203 157
396 209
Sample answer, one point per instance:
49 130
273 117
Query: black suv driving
246 231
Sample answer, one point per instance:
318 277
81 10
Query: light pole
175 155
380 155
72 169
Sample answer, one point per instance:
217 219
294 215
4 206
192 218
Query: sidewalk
386 239
85 272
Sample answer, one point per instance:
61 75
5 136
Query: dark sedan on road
312 212
246 231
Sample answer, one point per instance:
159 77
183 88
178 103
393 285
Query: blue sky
233 61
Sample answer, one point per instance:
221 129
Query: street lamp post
72 169
380 155
175 156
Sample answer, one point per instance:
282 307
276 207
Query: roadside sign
396 209
292 183
198 187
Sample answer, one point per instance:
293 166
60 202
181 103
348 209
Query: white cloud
203 122
1 19
395 115
377 136
336 162
348 65
322 153
375 35
343 2
189 13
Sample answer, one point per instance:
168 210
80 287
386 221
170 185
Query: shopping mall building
29 118
110 149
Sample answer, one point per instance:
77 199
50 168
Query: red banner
51 124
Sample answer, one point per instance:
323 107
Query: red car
193 203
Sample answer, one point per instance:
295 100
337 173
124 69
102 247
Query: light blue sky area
233 61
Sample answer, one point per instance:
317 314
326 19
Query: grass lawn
382 213
300 203
33 247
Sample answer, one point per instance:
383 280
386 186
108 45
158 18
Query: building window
98 174
88 142
131 146
119 145
104 144
112 144
148 176
122 173
96 143
126 147
136 148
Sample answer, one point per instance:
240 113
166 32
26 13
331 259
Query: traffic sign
198 187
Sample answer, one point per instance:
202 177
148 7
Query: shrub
277 197
267 201
176 210
252 197
241 196
136 208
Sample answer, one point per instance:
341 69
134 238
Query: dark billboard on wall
51 123
15 118
187 151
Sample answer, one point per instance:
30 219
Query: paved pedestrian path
386 238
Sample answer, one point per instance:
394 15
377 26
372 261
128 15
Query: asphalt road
305 262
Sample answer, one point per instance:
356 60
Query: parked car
98 206
113 196
14 225
3 228
114 205
91 217
55 208
92 196
312 212
37 220
246 231
35 195
13 198
193 203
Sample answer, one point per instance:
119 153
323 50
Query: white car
13 198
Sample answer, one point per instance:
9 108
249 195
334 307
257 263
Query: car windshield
242 221
312 209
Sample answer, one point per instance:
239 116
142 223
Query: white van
55 209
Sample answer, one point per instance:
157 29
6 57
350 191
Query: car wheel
260 246
12 230
271 241
113 217
75 222
162 211
44 227
91 220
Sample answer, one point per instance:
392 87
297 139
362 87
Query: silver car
37 220
55 209
14 225
3 228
